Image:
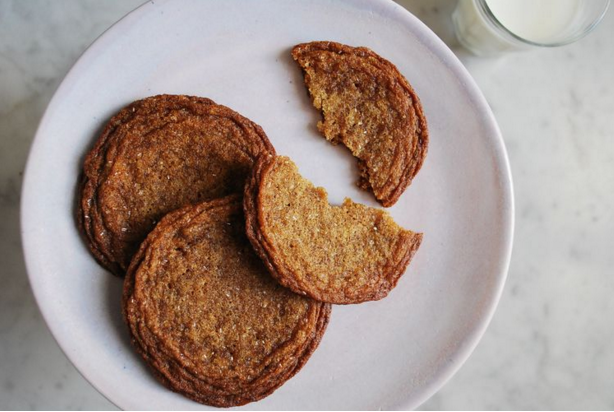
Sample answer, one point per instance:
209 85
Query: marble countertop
549 343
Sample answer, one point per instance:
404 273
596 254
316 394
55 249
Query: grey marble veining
549 344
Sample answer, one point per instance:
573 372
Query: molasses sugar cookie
338 254
206 316
368 106
154 156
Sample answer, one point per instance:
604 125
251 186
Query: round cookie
154 156
206 316
337 254
369 107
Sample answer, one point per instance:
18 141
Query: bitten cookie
206 316
154 156
368 106
346 254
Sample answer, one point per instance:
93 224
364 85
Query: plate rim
439 49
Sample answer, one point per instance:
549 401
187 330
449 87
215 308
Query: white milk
539 21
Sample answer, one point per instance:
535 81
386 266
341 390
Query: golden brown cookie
206 316
368 106
338 254
154 156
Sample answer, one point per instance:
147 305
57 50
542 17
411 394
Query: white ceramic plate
390 354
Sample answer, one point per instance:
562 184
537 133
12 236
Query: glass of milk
492 27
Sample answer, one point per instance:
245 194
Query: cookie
154 156
368 106
206 316
338 254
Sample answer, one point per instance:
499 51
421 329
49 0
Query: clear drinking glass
493 27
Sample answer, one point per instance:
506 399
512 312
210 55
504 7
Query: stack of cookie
231 259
